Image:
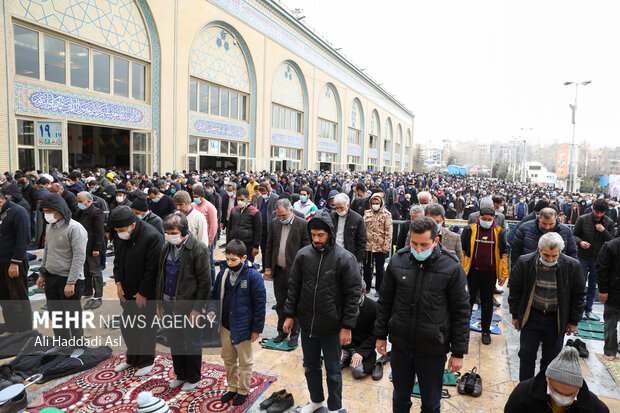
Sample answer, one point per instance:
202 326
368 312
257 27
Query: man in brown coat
287 235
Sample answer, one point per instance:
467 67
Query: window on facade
101 72
327 157
372 161
204 98
244 107
55 70
138 83
214 108
79 66
234 105
286 119
193 91
216 100
386 145
25 144
397 147
224 103
285 153
372 142
193 144
354 136
26 52
203 145
121 77
327 130
353 159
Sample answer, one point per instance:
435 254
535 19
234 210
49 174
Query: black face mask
236 267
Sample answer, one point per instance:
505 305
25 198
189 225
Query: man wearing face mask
141 209
450 240
497 202
93 221
305 206
266 205
159 203
559 388
245 224
546 301
350 228
135 273
62 268
424 308
287 235
196 221
229 201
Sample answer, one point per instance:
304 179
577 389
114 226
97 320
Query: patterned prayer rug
612 366
100 389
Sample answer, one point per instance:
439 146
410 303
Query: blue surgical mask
197 201
286 221
93 190
438 228
547 264
421 256
303 199
209 191
486 224
139 216
156 200
81 206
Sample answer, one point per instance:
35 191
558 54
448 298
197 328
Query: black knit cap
122 216
140 204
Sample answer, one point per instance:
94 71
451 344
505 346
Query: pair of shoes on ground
486 338
377 371
580 346
237 399
292 342
92 304
278 402
318 408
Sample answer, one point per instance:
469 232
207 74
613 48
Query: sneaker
176 383
280 337
189 386
121 367
95 303
486 338
143 371
228 396
241 398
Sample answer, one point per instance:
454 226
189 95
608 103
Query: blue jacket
247 303
526 238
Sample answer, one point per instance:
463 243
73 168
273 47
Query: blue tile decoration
397 157
45 101
284 139
216 56
287 89
315 55
116 24
387 156
372 153
328 146
329 107
354 150
204 126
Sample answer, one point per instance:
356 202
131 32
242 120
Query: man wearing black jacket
136 268
608 273
323 294
69 198
14 227
350 228
93 221
424 308
360 204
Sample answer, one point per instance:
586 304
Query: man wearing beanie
135 273
141 209
560 386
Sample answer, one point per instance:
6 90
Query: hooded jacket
18 198
378 227
324 286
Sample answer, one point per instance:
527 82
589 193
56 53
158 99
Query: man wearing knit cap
141 209
135 273
560 387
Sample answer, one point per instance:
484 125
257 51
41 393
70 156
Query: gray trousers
611 315
93 276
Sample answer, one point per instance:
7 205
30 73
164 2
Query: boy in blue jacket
239 297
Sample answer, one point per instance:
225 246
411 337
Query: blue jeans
539 328
330 347
589 273
429 369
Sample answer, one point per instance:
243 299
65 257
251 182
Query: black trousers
485 283
57 301
14 299
140 342
280 287
186 348
263 242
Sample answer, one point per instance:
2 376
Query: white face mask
50 218
124 235
559 399
376 207
266 196
342 213
500 209
242 204
173 239
120 199
230 193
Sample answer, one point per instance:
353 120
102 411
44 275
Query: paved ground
497 364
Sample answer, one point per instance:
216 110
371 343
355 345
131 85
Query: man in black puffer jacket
323 294
424 307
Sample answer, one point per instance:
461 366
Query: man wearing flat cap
559 388
135 273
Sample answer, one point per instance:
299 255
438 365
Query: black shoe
619 347
274 396
293 341
240 399
280 338
498 291
87 304
377 371
581 347
282 404
95 304
570 343
228 396
384 359
486 338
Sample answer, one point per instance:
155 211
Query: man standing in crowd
404 234
378 222
608 273
141 208
591 232
183 286
28 193
546 301
287 235
360 204
14 240
324 285
206 208
160 204
245 224
450 240
69 198
135 273
424 198
266 205
62 268
93 221
350 228
526 238
229 201
195 220
424 308
484 260
305 205
497 202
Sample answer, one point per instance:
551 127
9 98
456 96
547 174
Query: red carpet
102 390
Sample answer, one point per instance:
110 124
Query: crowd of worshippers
324 240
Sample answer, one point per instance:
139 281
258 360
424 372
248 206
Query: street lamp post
574 157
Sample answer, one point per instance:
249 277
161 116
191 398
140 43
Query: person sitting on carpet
239 291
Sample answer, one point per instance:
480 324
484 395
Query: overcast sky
486 69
